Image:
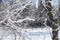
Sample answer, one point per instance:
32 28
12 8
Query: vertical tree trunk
53 26
54 34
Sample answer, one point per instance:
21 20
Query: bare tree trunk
50 23
54 34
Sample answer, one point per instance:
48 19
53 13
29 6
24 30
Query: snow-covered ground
38 34
31 34
42 34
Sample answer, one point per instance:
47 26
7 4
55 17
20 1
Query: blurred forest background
19 16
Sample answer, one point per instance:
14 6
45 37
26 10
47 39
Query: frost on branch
22 14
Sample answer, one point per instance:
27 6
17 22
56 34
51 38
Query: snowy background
35 34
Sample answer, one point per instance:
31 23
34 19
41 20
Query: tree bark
53 26
54 34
